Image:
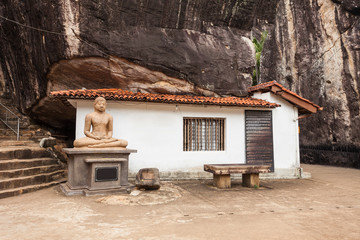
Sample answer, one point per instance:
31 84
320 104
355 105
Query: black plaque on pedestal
106 174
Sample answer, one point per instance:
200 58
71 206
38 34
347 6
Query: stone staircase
24 165
27 167
30 132
28 129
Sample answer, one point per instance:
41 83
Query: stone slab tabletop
236 168
98 150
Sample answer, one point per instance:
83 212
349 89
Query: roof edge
122 95
278 89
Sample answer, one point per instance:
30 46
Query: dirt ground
324 207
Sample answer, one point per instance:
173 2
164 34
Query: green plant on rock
258 50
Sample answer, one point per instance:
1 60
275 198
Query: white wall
285 131
156 131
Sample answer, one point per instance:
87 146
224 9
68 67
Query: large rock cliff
314 49
203 42
189 47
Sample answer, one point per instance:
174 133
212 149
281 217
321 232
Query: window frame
209 134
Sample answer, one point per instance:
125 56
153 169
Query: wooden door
259 138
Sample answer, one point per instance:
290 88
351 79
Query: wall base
278 174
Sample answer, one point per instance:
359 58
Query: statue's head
100 104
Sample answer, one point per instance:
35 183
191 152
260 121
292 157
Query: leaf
258 50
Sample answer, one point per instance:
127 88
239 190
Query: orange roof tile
268 87
122 95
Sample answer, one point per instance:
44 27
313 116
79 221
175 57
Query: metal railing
10 120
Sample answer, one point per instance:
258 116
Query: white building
179 134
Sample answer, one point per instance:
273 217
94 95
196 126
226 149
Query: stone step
15 143
15 173
26 163
12 121
22 138
23 124
5 131
24 132
31 180
19 152
30 188
12 109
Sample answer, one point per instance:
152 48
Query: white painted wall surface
156 131
285 132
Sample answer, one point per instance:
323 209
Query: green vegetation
258 49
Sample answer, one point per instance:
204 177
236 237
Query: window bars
203 134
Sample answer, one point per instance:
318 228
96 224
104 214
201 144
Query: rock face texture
204 42
314 50
95 72
200 47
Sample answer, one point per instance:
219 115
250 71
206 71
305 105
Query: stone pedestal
97 171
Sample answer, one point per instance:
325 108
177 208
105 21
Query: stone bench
250 173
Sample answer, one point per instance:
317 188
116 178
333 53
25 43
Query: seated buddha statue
101 124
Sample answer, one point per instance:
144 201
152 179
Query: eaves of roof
305 106
122 95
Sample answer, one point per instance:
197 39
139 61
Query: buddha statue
101 124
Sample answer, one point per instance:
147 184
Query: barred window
203 134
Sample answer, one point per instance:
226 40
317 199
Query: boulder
48 142
148 178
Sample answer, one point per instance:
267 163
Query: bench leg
222 181
251 179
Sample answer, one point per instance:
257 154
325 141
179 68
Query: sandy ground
324 207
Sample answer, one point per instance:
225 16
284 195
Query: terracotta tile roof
122 95
268 87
